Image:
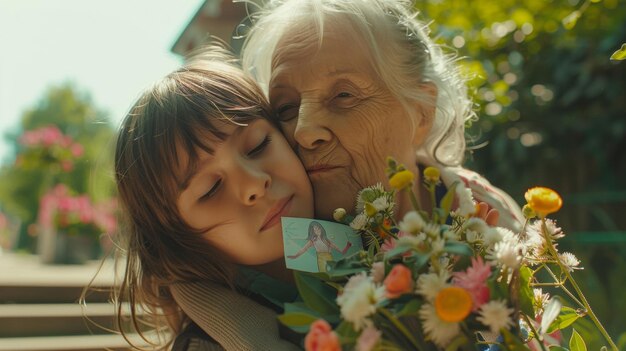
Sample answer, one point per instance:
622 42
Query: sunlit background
551 108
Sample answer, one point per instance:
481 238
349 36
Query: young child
204 177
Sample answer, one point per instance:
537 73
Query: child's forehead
192 153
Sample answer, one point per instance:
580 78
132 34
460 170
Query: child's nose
255 184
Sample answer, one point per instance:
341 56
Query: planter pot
57 247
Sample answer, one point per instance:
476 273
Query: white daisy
495 315
437 246
506 254
412 223
438 331
472 236
381 204
540 300
493 235
411 240
466 201
569 261
432 229
359 222
359 299
476 224
429 284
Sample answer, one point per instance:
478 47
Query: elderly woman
355 81
352 82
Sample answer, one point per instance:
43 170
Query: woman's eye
345 99
212 191
287 112
344 94
259 148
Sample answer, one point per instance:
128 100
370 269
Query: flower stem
400 327
537 335
565 270
414 201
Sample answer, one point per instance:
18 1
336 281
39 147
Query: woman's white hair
401 51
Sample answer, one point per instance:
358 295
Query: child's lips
280 209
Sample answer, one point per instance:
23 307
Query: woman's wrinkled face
339 116
239 194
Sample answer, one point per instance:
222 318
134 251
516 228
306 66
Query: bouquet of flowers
443 280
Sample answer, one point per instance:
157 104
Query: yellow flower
453 304
401 180
370 210
543 201
432 174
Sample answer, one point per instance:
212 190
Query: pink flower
398 282
390 243
77 150
321 337
51 135
368 339
474 280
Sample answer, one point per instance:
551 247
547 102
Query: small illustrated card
311 244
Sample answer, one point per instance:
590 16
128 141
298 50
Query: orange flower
543 201
321 337
401 180
398 282
384 228
453 304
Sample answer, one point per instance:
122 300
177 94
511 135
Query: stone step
32 294
69 343
21 320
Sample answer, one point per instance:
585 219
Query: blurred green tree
551 107
73 112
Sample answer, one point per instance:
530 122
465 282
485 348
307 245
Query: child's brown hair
176 116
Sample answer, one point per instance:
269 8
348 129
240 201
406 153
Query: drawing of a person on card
323 246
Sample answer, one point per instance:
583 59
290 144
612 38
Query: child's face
240 193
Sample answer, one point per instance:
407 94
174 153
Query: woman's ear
426 110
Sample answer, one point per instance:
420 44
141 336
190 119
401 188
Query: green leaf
526 292
566 317
576 342
457 343
621 341
557 348
297 319
619 54
316 294
398 250
410 308
458 248
570 21
446 202
512 342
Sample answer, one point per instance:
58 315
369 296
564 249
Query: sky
110 49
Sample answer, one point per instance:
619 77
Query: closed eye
287 112
212 191
259 148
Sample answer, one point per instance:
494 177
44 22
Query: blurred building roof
217 18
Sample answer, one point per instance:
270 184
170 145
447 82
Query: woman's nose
310 132
253 183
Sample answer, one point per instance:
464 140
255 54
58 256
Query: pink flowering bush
75 215
48 147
